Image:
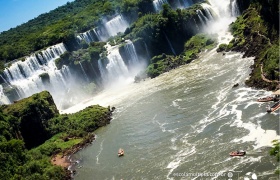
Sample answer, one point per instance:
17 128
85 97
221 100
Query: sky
16 12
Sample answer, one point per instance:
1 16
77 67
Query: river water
183 123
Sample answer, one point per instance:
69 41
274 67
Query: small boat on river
266 99
237 153
273 108
275 97
120 152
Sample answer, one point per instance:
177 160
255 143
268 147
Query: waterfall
86 36
34 64
102 69
131 52
170 45
84 72
201 17
101 35
105 31
158 4
208 10
94 71
31 76
116 25
234 9
3 98
116 67
184 3
113 69
221 8
147 51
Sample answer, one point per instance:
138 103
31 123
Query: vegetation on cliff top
275 151
31 130
62 24
163 63
256 33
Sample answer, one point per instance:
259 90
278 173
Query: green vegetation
62 24
163 63
88 54
222 47
256 33
154 29
275 151
31 131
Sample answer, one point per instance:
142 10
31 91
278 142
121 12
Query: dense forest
26 152
62 24
32 131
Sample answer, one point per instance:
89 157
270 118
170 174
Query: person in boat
268 108
121 152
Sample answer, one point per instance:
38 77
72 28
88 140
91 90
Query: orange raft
237 153
120 152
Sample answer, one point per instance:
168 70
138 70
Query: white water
3 98
158 4
130 50
87 36
116 25
25 76
84 72
235 10
105 31
186 120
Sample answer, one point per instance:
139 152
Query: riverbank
256 34
63 159
34 135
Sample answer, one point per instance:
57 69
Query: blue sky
16 12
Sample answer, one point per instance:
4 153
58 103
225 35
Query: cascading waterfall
116 67
38 72
102 69
3 98
158 4
208 10
184 3
221 9
147 51
104 32
201 17
84 72
116 25
34 64
175 100
94 71
86 36
101 35
130 50
216 14
170 45
234 9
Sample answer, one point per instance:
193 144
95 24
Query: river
183 123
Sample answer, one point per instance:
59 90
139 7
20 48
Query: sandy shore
60 160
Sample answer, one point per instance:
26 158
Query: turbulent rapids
186 120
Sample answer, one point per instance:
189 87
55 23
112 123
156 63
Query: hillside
62 24
256 34
32 131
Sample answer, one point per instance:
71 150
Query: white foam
180 157
101 149
261 137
